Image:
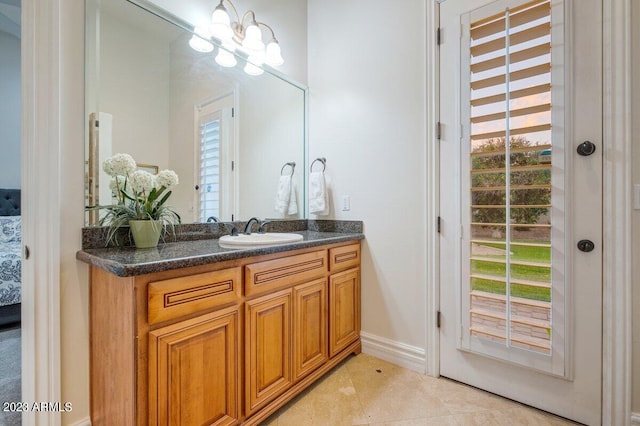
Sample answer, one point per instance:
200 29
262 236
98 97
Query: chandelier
242 35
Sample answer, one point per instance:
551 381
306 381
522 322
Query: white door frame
617 315
616 384
41 145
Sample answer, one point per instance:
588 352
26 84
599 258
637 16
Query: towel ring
293 167
320 159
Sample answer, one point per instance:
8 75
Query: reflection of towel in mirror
318 194
293 200
284 194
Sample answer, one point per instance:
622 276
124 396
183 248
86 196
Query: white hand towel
318 194
293 200
283 196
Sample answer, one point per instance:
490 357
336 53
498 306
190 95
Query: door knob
586 245
586 148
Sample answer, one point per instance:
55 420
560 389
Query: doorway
10 208
521 206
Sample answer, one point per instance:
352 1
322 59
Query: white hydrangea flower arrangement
140 195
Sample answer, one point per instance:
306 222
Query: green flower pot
146 233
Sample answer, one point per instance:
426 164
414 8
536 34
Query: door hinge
438 130
438 224
438 319
438 36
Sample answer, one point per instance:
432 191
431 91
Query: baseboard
635 419
83 422
397 353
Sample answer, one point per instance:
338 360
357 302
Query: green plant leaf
165 198
124 193
152 196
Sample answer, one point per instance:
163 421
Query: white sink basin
258 240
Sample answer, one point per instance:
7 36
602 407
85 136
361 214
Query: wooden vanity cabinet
194 371
310 322
344 297
344 310
222 344
268 348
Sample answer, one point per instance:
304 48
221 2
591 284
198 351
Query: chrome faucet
264 223
247 227
212 219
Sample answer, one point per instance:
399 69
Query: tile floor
364 390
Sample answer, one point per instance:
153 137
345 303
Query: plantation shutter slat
534 90
513 113
513 169
517 244
512 280
514 57
513 262
514 76
535 148
513 132
502 206
515 39
512 187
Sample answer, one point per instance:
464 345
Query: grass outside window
533 273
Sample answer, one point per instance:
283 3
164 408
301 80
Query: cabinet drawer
344 257
278 273
176 297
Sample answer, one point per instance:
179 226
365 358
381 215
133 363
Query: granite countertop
128 261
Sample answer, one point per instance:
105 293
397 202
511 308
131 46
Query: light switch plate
346 203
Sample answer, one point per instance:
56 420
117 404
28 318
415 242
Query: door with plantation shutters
215 158
520 89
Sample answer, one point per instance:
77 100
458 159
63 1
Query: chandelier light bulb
252 69
221 23
225 58
274 55
198 41
253 38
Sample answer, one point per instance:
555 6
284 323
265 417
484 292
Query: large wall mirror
228 135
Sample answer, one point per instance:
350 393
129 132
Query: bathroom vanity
194 334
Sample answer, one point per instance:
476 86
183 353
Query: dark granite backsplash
349 226
95 236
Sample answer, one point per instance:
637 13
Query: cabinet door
309 327
194 371
267 348
344 310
